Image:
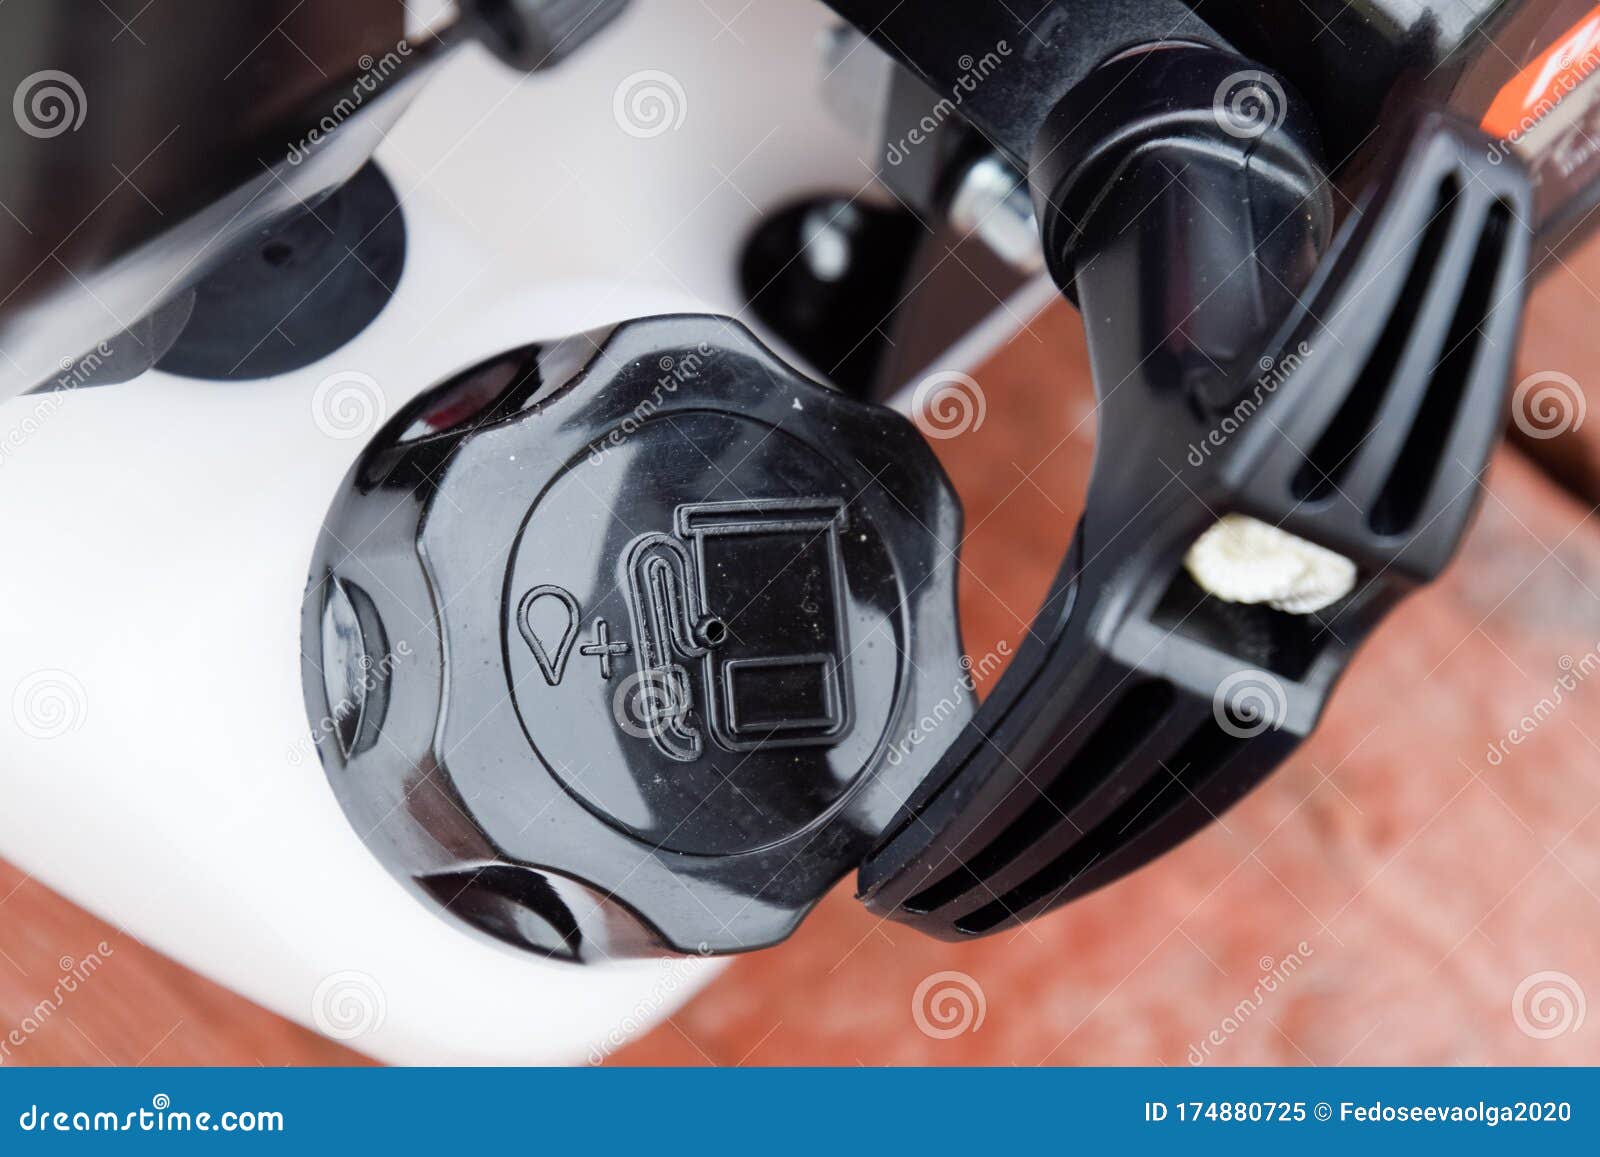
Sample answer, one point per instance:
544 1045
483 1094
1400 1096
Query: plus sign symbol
604 648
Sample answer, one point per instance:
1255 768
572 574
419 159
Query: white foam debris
1243 560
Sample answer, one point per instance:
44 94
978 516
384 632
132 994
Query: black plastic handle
1140 707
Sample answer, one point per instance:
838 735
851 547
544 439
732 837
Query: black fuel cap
635 641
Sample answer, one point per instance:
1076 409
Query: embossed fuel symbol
777 678
766 680
547 617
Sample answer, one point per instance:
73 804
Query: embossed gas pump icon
736 624
747 596
670 627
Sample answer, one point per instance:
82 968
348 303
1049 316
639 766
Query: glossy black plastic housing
612 644
1226 159
1004 64
1139 707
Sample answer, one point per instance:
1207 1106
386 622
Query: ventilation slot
1206 751
1413 473
1137 714
513 904
1329 460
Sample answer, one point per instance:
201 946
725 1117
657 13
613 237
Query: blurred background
1420 884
